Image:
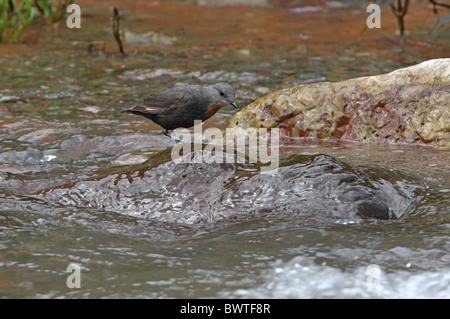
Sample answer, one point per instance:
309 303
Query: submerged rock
410 105
317 186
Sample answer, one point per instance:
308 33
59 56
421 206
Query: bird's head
225 94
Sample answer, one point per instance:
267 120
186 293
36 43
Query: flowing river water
82 183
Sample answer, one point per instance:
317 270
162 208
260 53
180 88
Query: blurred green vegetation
53 11
16 15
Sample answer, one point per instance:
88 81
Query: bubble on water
48 158
41 222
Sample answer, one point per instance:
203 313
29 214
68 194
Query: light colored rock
409 105
149 38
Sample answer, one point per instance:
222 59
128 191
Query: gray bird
179 106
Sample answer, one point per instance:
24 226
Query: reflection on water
75 185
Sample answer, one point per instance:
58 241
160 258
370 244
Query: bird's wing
166 101
146 109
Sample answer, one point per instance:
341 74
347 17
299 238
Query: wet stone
189 193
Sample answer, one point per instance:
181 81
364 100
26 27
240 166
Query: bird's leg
166 133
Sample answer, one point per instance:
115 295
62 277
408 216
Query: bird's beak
234 104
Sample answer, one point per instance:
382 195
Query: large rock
409 105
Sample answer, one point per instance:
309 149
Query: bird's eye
221 93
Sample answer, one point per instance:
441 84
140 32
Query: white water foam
302 278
